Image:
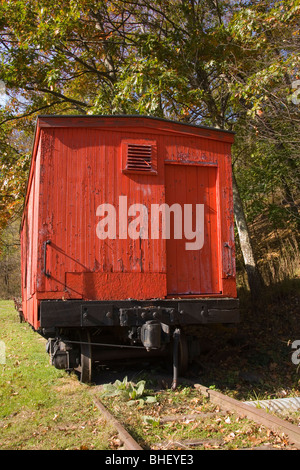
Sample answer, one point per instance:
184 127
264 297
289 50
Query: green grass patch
41 407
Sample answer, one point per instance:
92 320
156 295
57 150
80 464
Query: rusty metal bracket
46 243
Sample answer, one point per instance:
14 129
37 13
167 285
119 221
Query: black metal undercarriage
82 332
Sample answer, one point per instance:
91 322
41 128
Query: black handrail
47 274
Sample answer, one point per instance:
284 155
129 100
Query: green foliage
132 393
151 420
10 272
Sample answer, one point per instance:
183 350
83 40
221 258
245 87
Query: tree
224 63
265 91
10 261
14 164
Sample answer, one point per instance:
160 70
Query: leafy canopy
225 63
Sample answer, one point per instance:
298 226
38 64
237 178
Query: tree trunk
253 274
293 207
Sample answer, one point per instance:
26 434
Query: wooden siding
77 165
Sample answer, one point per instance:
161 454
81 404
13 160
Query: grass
42 408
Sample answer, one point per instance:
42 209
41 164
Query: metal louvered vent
139 157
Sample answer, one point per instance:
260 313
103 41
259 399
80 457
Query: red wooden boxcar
127 236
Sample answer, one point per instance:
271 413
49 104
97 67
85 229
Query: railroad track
127 440
225 404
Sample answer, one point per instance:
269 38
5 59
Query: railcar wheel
85 367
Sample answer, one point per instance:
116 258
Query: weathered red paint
78 164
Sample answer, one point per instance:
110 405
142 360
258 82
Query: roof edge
131 116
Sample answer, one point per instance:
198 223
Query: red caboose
127 236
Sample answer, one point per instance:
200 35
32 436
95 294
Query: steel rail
126 438
258 415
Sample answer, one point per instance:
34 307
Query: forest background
231 64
